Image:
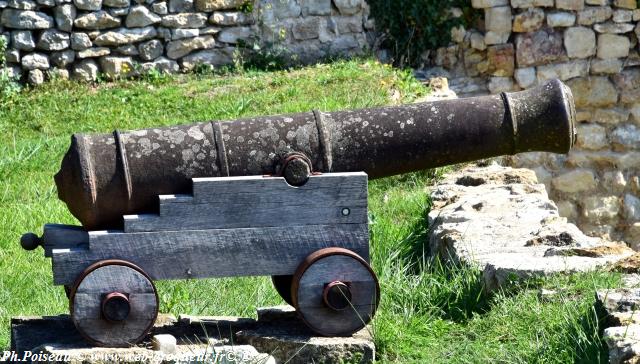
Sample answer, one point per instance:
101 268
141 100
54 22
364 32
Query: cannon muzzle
105 176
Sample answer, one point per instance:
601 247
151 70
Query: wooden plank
275 190
204 216
211 253
58 236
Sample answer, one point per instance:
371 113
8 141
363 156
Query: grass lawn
429 313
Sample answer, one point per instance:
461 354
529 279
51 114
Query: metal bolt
346 211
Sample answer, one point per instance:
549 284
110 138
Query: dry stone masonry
592 45
84 38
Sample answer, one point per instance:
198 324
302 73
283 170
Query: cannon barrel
105 176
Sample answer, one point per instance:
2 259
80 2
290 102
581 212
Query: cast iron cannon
284 196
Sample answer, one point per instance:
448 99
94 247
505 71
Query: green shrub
413 26
8 84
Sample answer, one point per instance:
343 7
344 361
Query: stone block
97 20
348 7
22 40
160 8
613 28
579 180
580 42
184 20
537 48
598 209
35 77
531 3
212 57
480 4
65 15
165 343
606 66
180 48
25 19
182 33
141 16
492 37
34 61
613 46
476 41
498 19
501 60
93 52
150 50
181 6
80 41
594 14
626 136
593 92
561 19
212 5
626 4
592 136
230 18
315 7
528 21
53 40
526 77
614 181
233 35
124 36
570 4
610 116
308 28
622 16
92 5
631 207
500 84
63 59
114 67
116 3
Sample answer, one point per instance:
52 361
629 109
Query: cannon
282 196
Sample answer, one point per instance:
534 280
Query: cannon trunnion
283 196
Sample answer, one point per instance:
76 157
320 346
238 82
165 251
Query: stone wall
83 38
592 45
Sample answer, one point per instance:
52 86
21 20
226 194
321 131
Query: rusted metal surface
105 176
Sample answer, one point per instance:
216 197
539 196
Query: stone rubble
277 336
501 220
203 30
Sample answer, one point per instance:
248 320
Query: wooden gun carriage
156 204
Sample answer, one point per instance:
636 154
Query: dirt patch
628 265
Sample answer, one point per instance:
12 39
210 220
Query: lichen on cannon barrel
105 176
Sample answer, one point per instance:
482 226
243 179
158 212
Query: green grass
429 312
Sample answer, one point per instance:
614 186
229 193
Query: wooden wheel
282 284
113 303
335 292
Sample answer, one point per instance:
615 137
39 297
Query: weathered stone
180 6
627 4
35 61
209 30
561 19
230 18
611 116
184 20
25 19
184 33
58 74
633 235
22 40
63 59
526 77
232 35
536 241
114 67
528 21
626 136
116 3
53 40
567 209
579 180
35 77
140 16
606 66
592 15
531 3
479 4
127 50
498 19
492 37
160 8
165 343
124 36
46 3
600 209
12 56
65 15
563 71
593 92
580 42
308 28
570 4
592 136
180 48
212 57
538 48
162 65
118 12
348 7
353 24
80 41
22 4
622 16
477 41
501 60
613 28
315 7
150 50
212 5
631 207
88 4
93 52
500 84
97 20
614 180
613 46
628 82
